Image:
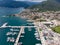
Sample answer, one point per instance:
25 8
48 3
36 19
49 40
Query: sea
29 37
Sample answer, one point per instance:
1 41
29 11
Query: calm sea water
29 38
9 11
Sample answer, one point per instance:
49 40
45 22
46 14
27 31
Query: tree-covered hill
16 4
49 5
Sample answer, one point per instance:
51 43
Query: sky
25 0
32 0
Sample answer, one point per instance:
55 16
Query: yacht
11 33
20 43
10 39
14 30
38 44
22 36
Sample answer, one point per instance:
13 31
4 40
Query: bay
15 21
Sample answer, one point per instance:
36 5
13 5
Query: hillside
49 5
16 4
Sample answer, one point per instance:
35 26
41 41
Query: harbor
16 34
22 31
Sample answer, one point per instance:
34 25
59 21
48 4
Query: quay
40 33
41 36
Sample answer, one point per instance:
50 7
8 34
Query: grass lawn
56 29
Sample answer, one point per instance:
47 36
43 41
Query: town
45 22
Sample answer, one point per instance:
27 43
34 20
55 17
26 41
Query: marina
15 34
22 31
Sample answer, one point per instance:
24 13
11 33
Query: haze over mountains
16 4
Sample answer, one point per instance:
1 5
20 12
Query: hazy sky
31 0
25 0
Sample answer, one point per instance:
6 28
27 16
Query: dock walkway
16 26
20 32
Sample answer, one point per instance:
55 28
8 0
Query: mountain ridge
49 5
16 4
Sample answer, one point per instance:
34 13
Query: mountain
58 0
16 4
49 5
32 3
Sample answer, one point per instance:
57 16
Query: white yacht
10 39
38 44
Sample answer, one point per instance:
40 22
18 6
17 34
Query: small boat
14 30
22 36
11 33
10 39
36 34
20 43
38 38
36 31
11 29
23 32
38 44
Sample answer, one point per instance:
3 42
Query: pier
4 24
16 26
19 35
